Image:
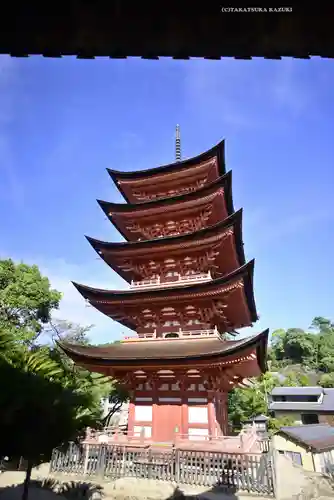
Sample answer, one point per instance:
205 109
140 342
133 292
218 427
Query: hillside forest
47 401
296 357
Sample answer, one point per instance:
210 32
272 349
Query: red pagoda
190 290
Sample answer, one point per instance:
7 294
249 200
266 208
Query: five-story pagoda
190 289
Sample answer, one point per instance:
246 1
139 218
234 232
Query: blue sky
63 121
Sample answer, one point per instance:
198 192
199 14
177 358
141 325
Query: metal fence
243 472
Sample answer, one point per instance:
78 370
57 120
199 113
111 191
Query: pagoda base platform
246 442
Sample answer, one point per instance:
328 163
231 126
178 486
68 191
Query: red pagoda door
167 422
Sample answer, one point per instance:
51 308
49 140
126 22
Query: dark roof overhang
95 296
155 351
224 182
91 293
217 151
132 247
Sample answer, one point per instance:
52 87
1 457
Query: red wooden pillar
219 414
184 418
224 413
184 409
155 415
211 414
131 417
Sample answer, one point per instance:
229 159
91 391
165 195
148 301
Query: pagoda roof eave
244 272
164 351
223 181
132 247
216 151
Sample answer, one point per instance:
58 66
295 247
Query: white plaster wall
283 444
143 413
197 415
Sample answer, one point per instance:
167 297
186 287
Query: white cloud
73 307
247 94
210 90
288 88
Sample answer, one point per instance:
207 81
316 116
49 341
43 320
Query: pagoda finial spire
177 144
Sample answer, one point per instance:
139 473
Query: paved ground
122 489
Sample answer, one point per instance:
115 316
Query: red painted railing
245 442
156 282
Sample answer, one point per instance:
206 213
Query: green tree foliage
313 350
302 357
275 424
45 399
26 303
251 401
96 384
293 345
41 406
327 380
295 379
26 300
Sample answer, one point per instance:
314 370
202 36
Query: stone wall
295 483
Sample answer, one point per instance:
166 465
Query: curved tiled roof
168 349
204 288
130 249
108 301
202 195
222 181
217 151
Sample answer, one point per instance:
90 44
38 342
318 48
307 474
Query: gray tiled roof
326 406
318 437
297 391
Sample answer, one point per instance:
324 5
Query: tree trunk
27 481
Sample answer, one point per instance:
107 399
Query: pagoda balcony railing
246 442
179 280
180 333
199 333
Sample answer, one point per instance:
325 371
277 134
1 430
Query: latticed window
194 322
150 324
172 323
